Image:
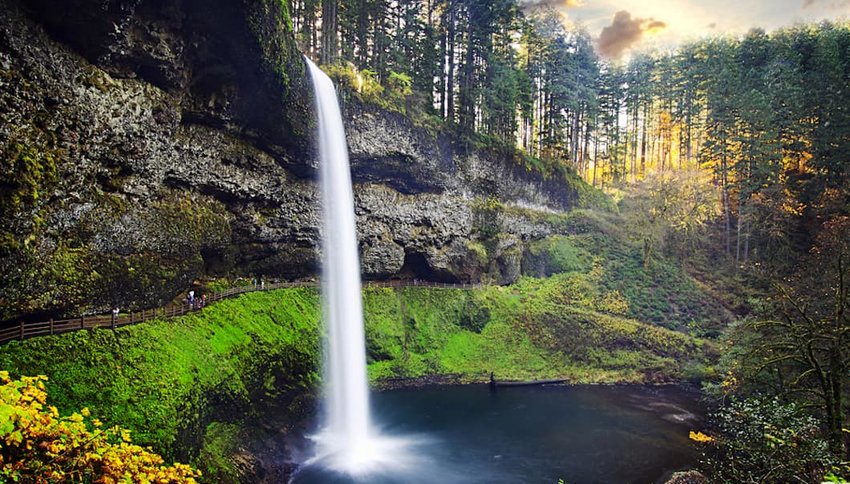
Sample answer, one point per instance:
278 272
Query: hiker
204 300
191 298
114 314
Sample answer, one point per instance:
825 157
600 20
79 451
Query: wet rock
381 258
688 477
388 148
155 159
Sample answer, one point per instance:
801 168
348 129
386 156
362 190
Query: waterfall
346 386
348 442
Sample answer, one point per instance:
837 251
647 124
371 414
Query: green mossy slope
531 330
605 263
166 380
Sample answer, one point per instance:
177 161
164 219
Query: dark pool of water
584 434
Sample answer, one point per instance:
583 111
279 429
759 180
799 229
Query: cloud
833 5
549 3
624 32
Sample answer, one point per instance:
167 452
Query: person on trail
191 298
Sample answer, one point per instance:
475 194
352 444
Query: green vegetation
729 169
167 380
529 331
502 63
601 258
556 254
28 173
766 440
662 293
218 448
794 344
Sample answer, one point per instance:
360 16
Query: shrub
765 440
555 254
41 446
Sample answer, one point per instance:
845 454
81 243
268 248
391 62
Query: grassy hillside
590 312
597 249
527 331
167 380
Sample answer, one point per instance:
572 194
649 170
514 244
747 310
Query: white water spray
348 443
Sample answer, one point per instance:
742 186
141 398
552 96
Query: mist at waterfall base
348 442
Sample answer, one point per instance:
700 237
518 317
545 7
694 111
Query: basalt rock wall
147 144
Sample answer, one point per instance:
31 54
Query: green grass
606 269
556 254
219 445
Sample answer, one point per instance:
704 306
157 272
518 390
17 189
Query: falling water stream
348 443
347 391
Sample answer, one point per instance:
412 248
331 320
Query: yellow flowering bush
37 445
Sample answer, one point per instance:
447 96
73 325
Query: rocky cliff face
148 143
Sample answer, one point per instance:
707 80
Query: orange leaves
40 446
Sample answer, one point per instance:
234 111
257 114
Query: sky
620 26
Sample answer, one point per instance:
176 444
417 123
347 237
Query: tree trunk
595 151
836 411
643 139
329 31
738 236
724 186
574 138
584 157
362 35
634 138
450 88
466 117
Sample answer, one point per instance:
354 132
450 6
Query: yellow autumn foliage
37 445
700 437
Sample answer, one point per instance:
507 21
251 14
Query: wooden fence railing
26 330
